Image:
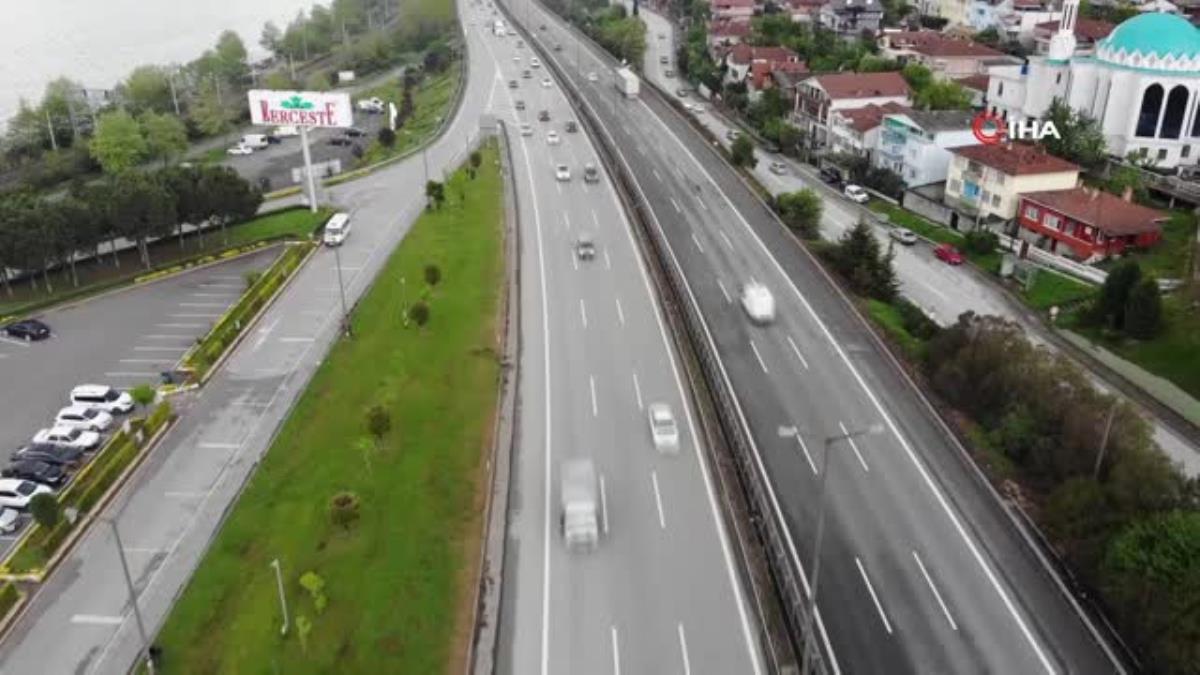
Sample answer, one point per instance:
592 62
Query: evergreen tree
1143 310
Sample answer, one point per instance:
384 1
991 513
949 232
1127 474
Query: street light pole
137 612
282 598
1112 413
337 257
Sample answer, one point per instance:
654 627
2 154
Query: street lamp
137 612
337 258
282 598
873 430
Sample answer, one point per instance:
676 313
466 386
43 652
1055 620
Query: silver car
903 235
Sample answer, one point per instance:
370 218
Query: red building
1086 222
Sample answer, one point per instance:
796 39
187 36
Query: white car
16 493
778 168
546 83
240 149
592 77
758 303
286 131
663 428
102 397
856 193
372 105
68 438
10 520
552 138
83 417
517 58
903 235
562 173
337 229
526 129
535 63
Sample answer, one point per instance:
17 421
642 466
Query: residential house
988 180
917 144
855 131
763 76
955 12
945 56
802 11
1086 223
820 95
1087 33
725 33
977 87
731 9
754 65
852 18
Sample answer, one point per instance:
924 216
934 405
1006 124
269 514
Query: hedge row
9 595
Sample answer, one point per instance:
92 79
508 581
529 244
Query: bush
914 319
433 275
344 509
1143 310
9 595
742 152
981 242
45 510
387 137
379 422
800 211
315 585
143 394
419 313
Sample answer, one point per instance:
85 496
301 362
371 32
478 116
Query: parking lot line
203 304
295 339
167 336
184 495
220 446
98 619
180 325
132 373
143 360
11 341
212 295
194 316
160 349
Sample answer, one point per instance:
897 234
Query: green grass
1171 257
431 102
889 319
399 581
1173 355
1053 289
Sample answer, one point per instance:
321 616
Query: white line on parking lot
854 447
871 589
758 356
220 446
131 373
662 523
797 352
166 336
194 316
203 304
142 360
144 550
160 349
97 619
723 291
184 495
295 339
637 390
592 386
180 325
11 341
212 295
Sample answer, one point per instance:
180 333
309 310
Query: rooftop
932 43
1107 212
1016 159
861 85
1154 33
743 54
729 28
934 121
870 116
717 4
976 82
1089 30
847 6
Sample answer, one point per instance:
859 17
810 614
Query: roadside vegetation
423 98
370 496
611 26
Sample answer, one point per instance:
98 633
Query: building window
955 185
1185 151
1147 122
999 92
1031 213
1052 221
1162 154
1000 179
1196 121
996 200
1058 79
1172 125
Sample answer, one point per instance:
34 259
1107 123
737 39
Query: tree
62 105
230 57
149 88
271 37
279 79
433 275
192 206
45 510
988 36
918 76
476 161
1143 310
142 208
742 152
166 136
379 422
1113 299
1081 139
318 81
118 143
435 193
387 137
801 211
943 95
228 196
419 313
208 112
861 262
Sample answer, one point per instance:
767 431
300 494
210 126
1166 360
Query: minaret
1062 43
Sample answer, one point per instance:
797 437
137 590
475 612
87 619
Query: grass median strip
370 496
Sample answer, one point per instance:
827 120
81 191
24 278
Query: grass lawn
1170 258
889 319
400 580
100 274
1174 355
1051 288
431 102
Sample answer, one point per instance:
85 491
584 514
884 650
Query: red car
948 253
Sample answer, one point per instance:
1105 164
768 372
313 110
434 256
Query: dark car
28 330
544 116
273 139
36 471
557 47
831 176
572 127
354 132
66 457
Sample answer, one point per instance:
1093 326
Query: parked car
535 63
240 149
590 173
557 47
286 131
552 138
354 132
337 229
543 115
526 129
103 397
83 417
10 521
903 235
668 73
831 176
512 84
572 127
340 140
731 135
68 437
663 428
546 83
27 330
16 493
520 105
592 77
948 254
51 454
758 303
585 246
38 472
856 194
371 105
526 74
562 173
681 92
664 60
778 168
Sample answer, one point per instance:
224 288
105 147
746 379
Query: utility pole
282 598
174 94
337 257
50 127
1112 413
137 612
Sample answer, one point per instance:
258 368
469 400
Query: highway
922 570
663 592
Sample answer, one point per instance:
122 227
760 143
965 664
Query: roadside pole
282 597
308 171
133 600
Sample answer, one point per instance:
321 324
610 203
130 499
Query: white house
820 95
916 144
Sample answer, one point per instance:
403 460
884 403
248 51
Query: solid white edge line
616 652
933 588
683 650
874 598
662 521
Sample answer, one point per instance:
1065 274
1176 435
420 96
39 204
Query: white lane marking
195 315
875 598
854 447
701 203
583 312
723 291
933 588
676 205
725 237
295 339
97 619
620 313
143 361
762 364
595 218
168 337
592 386
908 450
662 522
697 242
807 456
566 220
575 262
656 175
683 650
637 390
796 351
160 349
131 373
180 325
603 506
607 260
202 305
616 652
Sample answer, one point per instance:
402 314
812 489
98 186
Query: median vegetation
370 497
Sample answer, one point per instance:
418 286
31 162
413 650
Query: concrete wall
922 205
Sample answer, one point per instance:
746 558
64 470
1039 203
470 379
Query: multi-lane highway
662 593
922 570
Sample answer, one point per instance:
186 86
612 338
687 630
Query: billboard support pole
308 171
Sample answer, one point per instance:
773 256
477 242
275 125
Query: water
97 42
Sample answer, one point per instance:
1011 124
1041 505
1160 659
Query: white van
337 229
102 397
255 141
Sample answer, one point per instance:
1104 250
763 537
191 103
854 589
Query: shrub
433 274
315 585
419 313
344 509
742 152
1143 310
252 277
981 242
45 510
379 422
143 394
800 211
387 137
914 319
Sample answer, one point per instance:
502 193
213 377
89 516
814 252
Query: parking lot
122 339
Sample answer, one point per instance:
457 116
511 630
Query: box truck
580 517
627 82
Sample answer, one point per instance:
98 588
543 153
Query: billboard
300 108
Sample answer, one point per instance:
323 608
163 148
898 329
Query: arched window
1196 120
1147 122
1177 102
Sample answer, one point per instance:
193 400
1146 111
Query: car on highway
668 73
778 168
51 454
10 521
240 149
83 417
903 235
520 104
557 47
856 194
590 173
592 77
572 127
68 438
948 254
758 303
103 397
543 115
337 229
546 83
535 63
511 32
552 138
526 129
585 246
525 74
562 173
16 493
38 472
512 84
664 60
28 330
682 92
663 429
286 131
517 58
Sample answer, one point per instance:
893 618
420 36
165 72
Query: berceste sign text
300 108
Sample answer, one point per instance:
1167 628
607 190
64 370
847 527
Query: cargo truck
580 517
627 82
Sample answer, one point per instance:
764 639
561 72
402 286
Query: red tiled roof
1087 29
760 71
932 43
743 54
1107 212
862 85
976 82
1015 159
717 5
870 116
729 28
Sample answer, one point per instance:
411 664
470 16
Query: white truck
580 517
255 141
627 82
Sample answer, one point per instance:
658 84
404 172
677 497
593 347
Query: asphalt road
921 569
662 592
